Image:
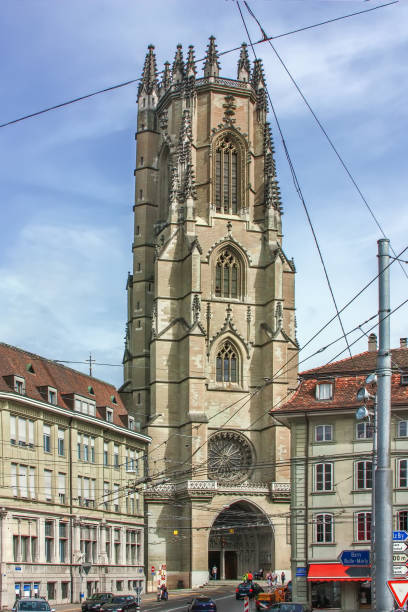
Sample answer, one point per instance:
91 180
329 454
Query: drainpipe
71 531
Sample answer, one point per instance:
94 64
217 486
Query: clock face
230 457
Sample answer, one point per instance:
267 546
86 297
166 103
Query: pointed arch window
227 275
226 176
227 363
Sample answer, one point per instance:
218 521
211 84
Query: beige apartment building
71 520
211 321
332 476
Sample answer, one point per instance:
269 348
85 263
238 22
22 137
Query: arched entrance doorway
241 540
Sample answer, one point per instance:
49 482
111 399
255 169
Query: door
231 564
214 557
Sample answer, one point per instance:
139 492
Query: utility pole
383 474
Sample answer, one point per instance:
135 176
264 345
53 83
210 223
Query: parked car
247 589
95 602
120 603
32 604
202 603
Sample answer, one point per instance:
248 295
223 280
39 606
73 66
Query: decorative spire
149 77
178 65
244 67
191 70
166 81
258 83
211 65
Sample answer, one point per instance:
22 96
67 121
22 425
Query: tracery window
227 363
226 176
227 275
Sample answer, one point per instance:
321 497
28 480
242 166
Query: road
224 596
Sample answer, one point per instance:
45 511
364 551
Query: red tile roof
347 376
48 373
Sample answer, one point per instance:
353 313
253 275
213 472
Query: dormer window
19 385
131 423
324 391
404 379
109 415
91 390
52 396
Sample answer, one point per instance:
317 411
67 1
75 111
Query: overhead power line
131 81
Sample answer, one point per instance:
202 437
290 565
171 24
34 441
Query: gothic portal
210 319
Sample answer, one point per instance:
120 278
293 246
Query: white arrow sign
399 558
399 570
399 546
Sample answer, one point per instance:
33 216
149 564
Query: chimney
372 343
403 342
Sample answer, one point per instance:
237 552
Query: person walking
269 579
283 578
214 572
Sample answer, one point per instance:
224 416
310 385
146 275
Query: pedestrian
269 579
214 572
275 578
283 577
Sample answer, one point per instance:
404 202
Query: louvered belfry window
226 177
227 275
226 366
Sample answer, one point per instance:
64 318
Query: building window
402 522
88 543
131 546
115 498
108 543
226 176
22 473
324 391
61 488
48 485
79 447
47 438
131 422
403 473
22 480
363 526
106 493
61 442
115 456
50 590
92 449
130 460
52 396
49 541
324 528
63 540
105 454
119 585
364 474
19 385
227 275
116 545
21 431
109 415
324 433
323 476
64 590
403 429
404 379
227 364
364 430
85 448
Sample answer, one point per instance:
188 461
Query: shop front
337 586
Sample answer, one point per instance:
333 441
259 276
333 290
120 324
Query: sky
66 176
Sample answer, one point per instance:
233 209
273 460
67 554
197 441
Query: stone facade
70 457
211 320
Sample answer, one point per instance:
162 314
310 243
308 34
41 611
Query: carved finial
191 69
211 65
278 316
258 83
166 80
174 185
149 77
244 67
229 312
196 308
229 228
178 65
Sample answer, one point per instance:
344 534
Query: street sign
399 570
300 572
399 589
355 557
399 546
399 558
359 572
400 536
153 569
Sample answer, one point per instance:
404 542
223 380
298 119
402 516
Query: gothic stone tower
210 317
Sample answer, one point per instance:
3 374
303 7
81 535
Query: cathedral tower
210 319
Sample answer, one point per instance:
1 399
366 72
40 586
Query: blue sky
66 177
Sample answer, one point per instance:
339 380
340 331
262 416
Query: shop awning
325 572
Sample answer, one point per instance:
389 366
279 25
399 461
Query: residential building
71 520
210 315
332 475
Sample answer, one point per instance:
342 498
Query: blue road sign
300 571
399 536
355 557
